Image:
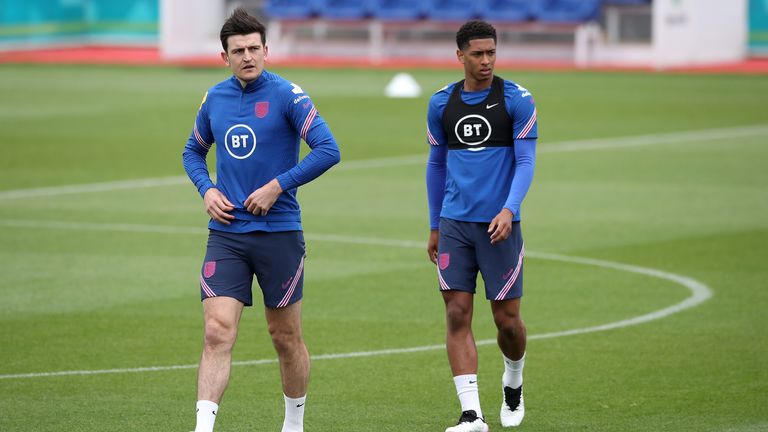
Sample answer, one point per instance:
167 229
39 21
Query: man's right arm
218 206
436 173
195 151
199 142
435 176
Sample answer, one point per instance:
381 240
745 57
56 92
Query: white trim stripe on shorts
296 277
208 291
443 285
513 278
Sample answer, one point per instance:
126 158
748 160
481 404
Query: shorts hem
466 290
509 298
277 306
245 303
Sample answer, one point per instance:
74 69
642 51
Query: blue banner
83 21
758 26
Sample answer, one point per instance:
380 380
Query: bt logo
473 130
240 141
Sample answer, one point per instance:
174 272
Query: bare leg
462 355
459 341
511 329
285 329
222 316
512 341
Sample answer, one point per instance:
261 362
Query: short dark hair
241 23
474 30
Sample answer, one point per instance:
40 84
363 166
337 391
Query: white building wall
697 32
190 28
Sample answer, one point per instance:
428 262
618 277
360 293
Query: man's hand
434 237
501 226
262 199
218 206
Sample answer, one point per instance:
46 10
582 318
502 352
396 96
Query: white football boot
469 422
512 407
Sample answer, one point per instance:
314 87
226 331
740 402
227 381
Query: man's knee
458 315
509 324
286 339
219 334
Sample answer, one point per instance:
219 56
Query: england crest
209 269
444 260
261 109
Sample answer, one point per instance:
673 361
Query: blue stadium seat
565 11
394 10
291 9
506 10
454 10
346 9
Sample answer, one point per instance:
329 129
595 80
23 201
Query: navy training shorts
232 259
464 248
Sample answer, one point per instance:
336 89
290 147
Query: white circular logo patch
473 130
240 141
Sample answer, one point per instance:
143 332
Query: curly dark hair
241 23
474 30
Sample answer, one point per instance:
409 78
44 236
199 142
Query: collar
251 86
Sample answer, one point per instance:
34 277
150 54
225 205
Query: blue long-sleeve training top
258 129
473 185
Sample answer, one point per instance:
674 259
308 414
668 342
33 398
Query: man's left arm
525 160
323 155
522 109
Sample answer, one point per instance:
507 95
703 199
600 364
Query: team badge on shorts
444 260
209 269
262 109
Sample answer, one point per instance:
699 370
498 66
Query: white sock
466 389
294 414
206 415
513 372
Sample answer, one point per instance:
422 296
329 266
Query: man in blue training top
257 119
482 132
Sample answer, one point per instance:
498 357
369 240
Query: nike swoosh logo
299 405
285 285
472 382
491 106
509 273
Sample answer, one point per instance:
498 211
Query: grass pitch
663 172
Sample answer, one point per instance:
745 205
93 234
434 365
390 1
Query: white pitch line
94 187
557 147
699 294
111 227
651 139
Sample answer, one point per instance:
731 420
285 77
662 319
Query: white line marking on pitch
699 294
94 187
558 147
112 227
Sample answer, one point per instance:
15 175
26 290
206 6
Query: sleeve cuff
204 188
286 181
